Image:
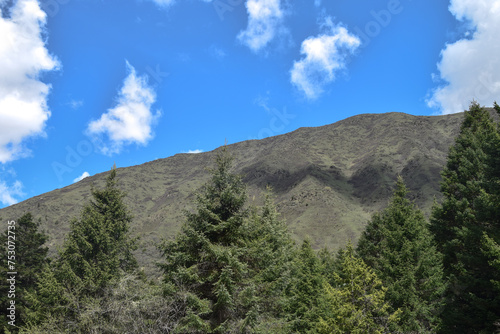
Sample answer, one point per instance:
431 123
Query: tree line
234 268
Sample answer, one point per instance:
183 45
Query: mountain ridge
328 180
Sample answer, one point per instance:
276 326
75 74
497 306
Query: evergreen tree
329 264
97 251
270 253
398 245
460 222
99 246
357 302
489 204
204 264
305 289
28 259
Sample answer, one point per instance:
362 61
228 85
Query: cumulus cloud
265 22
323 56
470 67
23 57
131 120
81 177
8 193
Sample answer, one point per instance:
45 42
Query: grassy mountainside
328 180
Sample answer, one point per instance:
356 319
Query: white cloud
23 97
470 67
131 120
265 22
81 177
8 193
324 56
194 151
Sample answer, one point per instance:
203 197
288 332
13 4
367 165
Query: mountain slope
328 180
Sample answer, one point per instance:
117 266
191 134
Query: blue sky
87 83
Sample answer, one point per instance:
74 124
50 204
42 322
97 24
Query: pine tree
99 246
29 257
460 222
489 203
270 253
490 200
98 250
305 289
357 302
398 245
204 265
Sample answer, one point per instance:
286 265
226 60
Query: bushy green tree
459 223
29 256
204 263
398 245
99 246
357 302
98 250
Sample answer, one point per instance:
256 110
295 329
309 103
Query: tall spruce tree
99 246
398 245
28 258
490 209
204 266
98 250
305 289
460 222
270 254
357 302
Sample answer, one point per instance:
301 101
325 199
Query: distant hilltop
328 180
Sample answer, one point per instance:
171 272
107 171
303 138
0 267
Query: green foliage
50 298
469 209
270 252
398 245
97 251
492 250
99 245
205 261
29 258
357 303
305 289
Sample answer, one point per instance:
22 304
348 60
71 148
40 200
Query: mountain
328 180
